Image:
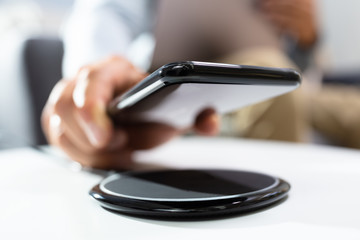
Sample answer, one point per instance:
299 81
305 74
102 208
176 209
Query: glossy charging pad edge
192 193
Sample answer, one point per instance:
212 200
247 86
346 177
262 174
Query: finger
48 108
116 158
76 135
207 123
63 106
48 111
148 135
94 89
100 81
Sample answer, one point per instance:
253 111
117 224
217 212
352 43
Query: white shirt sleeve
100 28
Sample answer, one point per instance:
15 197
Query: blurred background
30 64
31 52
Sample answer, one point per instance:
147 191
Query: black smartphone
188 194
177 92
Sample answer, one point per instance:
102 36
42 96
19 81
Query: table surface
46 197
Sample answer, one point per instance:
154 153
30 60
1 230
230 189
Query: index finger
94 89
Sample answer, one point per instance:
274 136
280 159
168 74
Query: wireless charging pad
188 193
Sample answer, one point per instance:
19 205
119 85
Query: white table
43 197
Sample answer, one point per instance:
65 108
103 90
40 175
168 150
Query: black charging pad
188 193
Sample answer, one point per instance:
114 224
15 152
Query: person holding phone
75 117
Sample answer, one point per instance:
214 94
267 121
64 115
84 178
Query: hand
75 117
294 17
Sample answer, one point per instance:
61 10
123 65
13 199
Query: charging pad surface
188 193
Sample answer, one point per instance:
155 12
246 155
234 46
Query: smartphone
189 193
177 92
